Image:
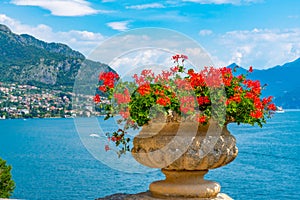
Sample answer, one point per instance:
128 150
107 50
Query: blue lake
50 162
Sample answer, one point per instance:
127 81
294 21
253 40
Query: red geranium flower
163 101
107 148
144 89
202 119
250 69
97 98
272 107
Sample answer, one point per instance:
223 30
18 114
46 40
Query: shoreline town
26 101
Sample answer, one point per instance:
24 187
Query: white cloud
205 32
83 41
146 6
140 47
62 7
261 48
214 1
135 61
253 1
235 2
119 26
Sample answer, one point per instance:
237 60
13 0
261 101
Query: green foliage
7 185
148 103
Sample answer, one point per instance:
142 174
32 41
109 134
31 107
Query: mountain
282 82
27 60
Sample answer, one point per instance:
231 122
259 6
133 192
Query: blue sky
262 33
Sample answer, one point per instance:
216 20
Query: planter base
184 184
147 196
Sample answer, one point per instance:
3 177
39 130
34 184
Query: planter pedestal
185 152
186 184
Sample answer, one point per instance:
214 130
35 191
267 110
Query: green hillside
27 60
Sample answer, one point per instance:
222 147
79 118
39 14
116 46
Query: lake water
50 162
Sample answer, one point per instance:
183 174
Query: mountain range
282 82
27 60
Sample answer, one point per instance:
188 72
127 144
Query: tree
7 185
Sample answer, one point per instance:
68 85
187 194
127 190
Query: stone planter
185 152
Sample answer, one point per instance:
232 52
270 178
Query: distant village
25 101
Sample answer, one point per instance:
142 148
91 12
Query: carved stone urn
185 152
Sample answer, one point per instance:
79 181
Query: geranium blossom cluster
107 80
209 93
